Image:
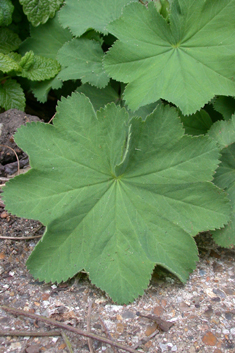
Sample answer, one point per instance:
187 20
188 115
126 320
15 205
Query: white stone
232 330
163 347
114 308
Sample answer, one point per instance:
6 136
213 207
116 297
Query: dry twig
67 342
51 119
107 333
24 238
20 238
162 324
89 327
146 339
29 333
19 312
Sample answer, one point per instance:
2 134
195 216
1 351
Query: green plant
121 190
12 64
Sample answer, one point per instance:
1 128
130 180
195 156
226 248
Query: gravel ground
203 310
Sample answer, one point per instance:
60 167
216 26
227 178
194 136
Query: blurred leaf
12 95
39 11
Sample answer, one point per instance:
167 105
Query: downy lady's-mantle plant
140 158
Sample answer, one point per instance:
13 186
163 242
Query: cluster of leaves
140 158
13 65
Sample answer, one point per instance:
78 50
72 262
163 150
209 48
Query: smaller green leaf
82 59
8 64
47 46
41 89
39 11
144 111
41 69
225 178
6 10
225 106
82 15
46 39
186 61
163 8
9 40
99 97
12 95
196 124
223 132
27 60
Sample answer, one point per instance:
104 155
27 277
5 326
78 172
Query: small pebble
232 331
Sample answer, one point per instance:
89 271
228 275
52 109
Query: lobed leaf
41 89
186 61
117 195
82 59
196 124
223 132
99 97
82 15
46 39
225 178
225 106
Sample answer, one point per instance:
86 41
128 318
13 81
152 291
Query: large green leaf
81 15
82 59
186 61
12 95
39 11
224 134
117 196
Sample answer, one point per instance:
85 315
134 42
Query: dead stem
29 333
51 119
89 326
63 326
107 332
67 342
24 238
144 340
